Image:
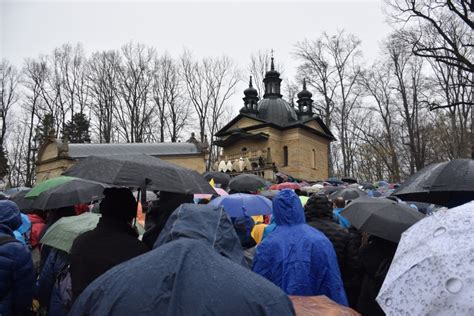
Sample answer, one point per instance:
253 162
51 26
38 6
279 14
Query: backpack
63 282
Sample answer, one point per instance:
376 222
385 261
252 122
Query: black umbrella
347 194
329 189
74 192
349 180
219 178
20 200
246 183
381 217
448 183
139 170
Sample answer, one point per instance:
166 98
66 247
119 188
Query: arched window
244 149
314 158
285 156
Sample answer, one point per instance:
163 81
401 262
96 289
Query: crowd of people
193 259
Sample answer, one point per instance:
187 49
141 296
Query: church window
314 159
244 149
285 156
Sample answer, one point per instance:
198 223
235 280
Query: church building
269 135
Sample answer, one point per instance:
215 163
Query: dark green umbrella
75 191
141 170
381 217
46 185
61 234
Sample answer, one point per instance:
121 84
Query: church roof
153 149
277 111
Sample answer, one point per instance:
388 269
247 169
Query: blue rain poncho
297 257
195 268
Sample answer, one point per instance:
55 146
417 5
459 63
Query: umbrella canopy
347 194
334 181
349 180
219 191
330 189
319 305
139 170
311 189
381 217
23 203
304 199
46 185
269 194
447 183
219 178
431 273
12 191
247 183
61 234
75 191
241 204
286 185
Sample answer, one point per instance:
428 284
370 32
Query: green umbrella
304 199
61 234
46 185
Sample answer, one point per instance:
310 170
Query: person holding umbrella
112 242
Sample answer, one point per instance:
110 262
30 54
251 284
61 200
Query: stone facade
55 157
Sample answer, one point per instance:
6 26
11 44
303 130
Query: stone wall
194 162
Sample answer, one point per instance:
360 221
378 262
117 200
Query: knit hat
319 205
118 203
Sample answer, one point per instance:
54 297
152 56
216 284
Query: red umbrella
285 185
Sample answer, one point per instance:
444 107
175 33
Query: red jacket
37 226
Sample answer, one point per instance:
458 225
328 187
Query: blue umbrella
241 204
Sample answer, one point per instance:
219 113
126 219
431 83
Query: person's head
339 202
287 209
10 216
318 205
118 203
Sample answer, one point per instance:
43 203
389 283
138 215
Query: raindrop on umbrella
388 302
439 231
454 285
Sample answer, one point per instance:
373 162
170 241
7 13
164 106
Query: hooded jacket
16 268
295 256
196 268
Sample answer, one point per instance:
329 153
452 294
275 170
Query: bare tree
441 30
103 74
134 90
209 83
9 95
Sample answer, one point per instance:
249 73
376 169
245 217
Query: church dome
250 91
276 110
304 94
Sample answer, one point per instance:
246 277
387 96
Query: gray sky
237 29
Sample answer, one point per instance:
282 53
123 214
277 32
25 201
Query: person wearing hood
159 213
196 268
17 276
243 227
318 214
113 241
297 257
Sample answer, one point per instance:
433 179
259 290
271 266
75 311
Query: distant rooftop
153 149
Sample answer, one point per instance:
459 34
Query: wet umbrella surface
139 170
433 268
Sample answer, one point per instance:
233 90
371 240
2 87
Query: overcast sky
237 29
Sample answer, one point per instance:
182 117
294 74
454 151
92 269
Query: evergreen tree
45 127
4 168
77 130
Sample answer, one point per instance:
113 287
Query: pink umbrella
219 191
285 185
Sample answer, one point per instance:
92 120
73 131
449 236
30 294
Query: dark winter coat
196 268
16 268
297 257
47 288
93 253
346 245
376 257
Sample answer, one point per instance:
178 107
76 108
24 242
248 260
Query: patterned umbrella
433 268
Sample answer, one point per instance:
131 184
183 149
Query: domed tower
305 103
272 83
250 100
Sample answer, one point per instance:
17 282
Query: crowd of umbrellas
429 215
